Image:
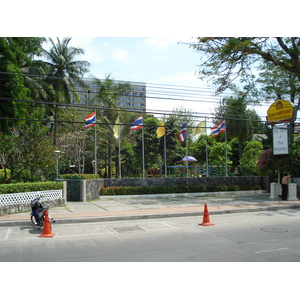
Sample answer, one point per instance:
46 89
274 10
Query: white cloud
164 42
121 55
183 78
161 42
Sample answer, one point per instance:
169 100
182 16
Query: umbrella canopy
189 158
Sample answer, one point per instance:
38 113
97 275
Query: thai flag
90 120
182 133
137 124
219 128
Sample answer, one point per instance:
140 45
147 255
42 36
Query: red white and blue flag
137 124
90 120
218 129
182 133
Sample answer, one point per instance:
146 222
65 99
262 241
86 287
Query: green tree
248 162
27 148
229 58
197 148
277 83
151 144
241 123
107 96
64 73
15 54
217 154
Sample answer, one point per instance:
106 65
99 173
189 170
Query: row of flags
161 130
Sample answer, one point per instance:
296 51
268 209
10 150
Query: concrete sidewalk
111 208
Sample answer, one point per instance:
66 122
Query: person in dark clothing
284 185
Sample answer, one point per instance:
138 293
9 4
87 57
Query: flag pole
226 153
206 150
187 152
143 156
119 138
165 153
95 146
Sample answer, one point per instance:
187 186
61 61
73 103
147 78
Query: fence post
292 192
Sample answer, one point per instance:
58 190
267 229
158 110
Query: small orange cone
206 220
47 227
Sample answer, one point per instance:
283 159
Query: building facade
134 99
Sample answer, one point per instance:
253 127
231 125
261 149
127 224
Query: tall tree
229 58
241 122
15 54
64 72
276 83
107 98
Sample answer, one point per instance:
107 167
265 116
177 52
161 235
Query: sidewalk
112 208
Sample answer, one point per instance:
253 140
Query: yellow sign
281 111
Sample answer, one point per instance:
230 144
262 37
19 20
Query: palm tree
108 94
64 72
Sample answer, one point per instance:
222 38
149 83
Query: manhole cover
125 229
274 230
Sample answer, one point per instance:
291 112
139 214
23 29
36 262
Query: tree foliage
226 59
248 162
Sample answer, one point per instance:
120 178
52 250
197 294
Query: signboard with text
280 140
281 111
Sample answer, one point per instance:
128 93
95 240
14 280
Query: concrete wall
23 207
90 189
263 181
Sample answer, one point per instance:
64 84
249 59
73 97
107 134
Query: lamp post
56 154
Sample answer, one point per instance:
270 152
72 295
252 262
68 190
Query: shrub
144 190
29 187
80 176
8 173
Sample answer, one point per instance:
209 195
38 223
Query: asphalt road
244 237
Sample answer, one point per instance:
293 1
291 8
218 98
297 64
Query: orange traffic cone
206 220
47 227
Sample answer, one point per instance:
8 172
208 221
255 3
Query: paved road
267 236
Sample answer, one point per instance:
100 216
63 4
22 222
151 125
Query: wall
23 207
90 189
263 181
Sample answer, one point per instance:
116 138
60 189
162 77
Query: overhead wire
154 91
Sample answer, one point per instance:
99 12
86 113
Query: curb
150 216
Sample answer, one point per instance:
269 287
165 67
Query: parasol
189 158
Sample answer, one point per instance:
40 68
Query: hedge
80 176
30 187
140 190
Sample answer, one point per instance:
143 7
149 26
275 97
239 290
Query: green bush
144 190
8 173
80 176
30 187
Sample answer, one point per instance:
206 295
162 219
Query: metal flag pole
206 150
143 156
95 144
187 152
165 152
120 174
226 153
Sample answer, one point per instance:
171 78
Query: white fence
25 198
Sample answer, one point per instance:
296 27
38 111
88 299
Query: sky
163 62
153 60
135 42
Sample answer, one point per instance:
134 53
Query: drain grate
126 229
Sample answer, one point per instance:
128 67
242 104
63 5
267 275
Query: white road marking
264 251
168 225
7 233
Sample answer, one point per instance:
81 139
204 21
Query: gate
74 190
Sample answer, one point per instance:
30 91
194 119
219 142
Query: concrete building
135 99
